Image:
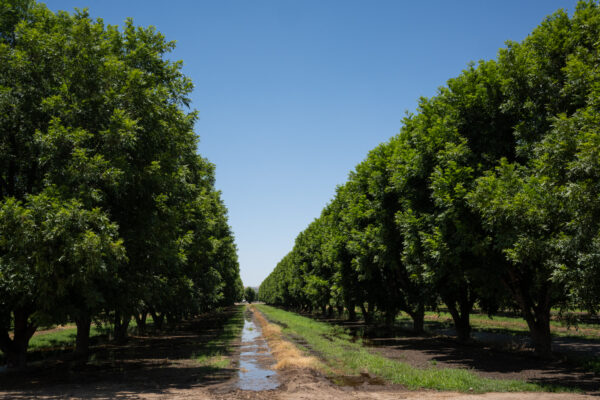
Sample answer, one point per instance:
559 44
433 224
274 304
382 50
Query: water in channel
255 359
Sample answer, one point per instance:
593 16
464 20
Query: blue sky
292 94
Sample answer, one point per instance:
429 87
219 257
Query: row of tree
488 196
106 209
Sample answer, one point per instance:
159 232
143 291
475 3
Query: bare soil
160 367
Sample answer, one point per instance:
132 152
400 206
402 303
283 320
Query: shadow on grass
506 358
145 364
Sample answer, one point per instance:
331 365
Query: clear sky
292 94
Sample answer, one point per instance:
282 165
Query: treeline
489 196
106 210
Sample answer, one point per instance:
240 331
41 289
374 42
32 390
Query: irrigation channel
255 358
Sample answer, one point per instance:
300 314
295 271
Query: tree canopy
488 196
106 209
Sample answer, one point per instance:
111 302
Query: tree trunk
82 341
540 335
418 317
461 322
538 321
366 314
15 350
340 311
158 320
140 319
121 326
390 317
172 321
352 312
536 315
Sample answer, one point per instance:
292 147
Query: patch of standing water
255 357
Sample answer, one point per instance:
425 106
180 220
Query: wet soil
255 359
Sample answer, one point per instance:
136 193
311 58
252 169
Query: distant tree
249 294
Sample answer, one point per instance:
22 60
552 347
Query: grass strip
343 356
216 352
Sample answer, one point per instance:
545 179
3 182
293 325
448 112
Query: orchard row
106 210
489 196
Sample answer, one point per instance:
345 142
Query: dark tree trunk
538 321
158 319
121 326
172 321
351 312
390 317
324 310
330 312
461 320
418 317
82 341
539 328
340 311
366 314
15 349
140 319
536 315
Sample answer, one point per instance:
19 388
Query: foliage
115 212
249 294
488 195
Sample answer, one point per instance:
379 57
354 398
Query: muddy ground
159 367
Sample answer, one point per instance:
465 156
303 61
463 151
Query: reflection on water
254 360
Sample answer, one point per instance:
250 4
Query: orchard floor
162 367
296 385
499 357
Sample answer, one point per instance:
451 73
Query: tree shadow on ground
499 360
144 364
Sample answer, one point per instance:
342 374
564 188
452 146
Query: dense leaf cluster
489 195
106 209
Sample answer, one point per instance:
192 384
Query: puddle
255 359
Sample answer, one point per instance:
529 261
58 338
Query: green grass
57 340
215 353
344 356
507 325
62 339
